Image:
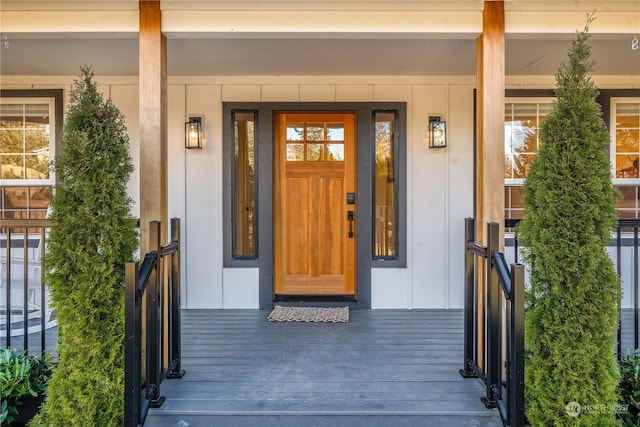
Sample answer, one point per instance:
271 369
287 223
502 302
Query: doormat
309 314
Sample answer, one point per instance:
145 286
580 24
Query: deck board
381 364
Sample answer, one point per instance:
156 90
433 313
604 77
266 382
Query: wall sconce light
194 133
437 132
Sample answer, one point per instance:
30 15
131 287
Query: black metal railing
625 252
25 314
628 227
152 310
494 324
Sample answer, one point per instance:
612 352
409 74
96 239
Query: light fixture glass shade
193 134
437 133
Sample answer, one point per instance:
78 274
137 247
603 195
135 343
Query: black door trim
364 184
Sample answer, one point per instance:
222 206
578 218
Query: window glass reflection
244 191
385 189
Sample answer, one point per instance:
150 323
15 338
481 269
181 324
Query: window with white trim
27 146
625 153
523 117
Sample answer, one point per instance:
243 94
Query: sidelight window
244 185
385 189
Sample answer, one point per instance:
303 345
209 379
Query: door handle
350 219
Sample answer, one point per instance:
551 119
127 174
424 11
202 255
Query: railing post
492 311
175 344
132 344
636 309
619 269
25 288
8 311
43 299
516 364
153 350
469 301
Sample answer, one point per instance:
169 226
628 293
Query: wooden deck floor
391 368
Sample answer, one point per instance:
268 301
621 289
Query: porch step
323 420
383 368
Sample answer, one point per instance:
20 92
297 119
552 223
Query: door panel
314 169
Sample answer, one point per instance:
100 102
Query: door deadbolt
351 198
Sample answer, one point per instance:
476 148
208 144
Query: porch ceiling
304 54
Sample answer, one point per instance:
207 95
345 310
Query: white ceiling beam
69 22
336 5
319 18
321 22
563 22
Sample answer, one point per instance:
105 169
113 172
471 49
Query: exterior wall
440 182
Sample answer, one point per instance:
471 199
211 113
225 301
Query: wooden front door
314 206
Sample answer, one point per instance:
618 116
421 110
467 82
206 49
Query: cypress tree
92 236
572 304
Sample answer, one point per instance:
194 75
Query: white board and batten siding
439 182
432 260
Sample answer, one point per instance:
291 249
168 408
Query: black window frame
396 189
256 178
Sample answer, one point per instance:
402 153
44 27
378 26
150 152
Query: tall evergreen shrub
572 304
92 236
